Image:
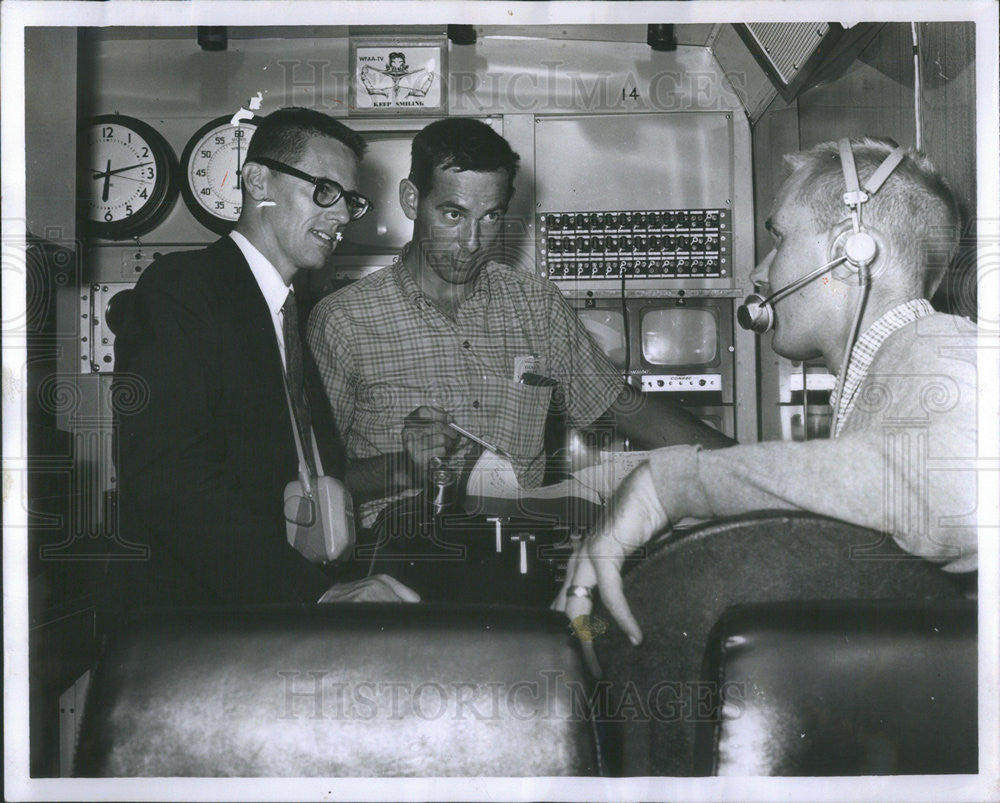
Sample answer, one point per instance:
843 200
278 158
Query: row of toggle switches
657 221
598 245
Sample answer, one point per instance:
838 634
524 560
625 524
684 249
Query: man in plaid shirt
447 334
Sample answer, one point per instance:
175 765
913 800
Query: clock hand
119 170
130 167
107 181
133 178
239 172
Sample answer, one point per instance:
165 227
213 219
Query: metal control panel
657 244
682 383
97 337
804 390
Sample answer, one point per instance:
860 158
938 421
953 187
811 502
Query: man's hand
378 588
426 434
635 515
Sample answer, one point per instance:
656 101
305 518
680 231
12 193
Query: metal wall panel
788 44
50 142
609 162
520 74
748 80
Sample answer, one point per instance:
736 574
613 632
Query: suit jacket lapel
248 305
251 314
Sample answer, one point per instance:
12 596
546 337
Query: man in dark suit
204 433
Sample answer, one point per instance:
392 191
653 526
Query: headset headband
855 196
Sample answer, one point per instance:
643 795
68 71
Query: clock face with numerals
127 177
212 163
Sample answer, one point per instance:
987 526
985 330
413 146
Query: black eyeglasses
327 191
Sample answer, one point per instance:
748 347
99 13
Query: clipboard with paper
492 489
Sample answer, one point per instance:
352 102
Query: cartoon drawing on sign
397 81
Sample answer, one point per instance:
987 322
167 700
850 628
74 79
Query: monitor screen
607 327
384 229
679 336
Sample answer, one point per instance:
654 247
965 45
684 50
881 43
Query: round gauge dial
211 162
127 177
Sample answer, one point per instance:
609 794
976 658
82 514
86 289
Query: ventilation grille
787 45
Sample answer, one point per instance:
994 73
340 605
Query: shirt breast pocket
519 417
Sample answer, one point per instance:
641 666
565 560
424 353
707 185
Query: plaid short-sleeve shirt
384 349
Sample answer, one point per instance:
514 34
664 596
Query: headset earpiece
858 248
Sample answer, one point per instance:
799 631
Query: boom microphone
757 313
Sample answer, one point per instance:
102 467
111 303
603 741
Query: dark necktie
296 377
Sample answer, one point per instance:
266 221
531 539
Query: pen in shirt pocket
537 380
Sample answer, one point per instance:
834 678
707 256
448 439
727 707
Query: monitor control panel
654 244
677 383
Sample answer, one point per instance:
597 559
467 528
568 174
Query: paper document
493 490
604 478
493 477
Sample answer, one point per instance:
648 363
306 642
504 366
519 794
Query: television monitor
384 229
672 344
679 336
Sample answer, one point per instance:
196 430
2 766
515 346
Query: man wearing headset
852 273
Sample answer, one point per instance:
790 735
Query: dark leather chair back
340 690
843 688
681 586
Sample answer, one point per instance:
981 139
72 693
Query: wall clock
212 163
127 180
